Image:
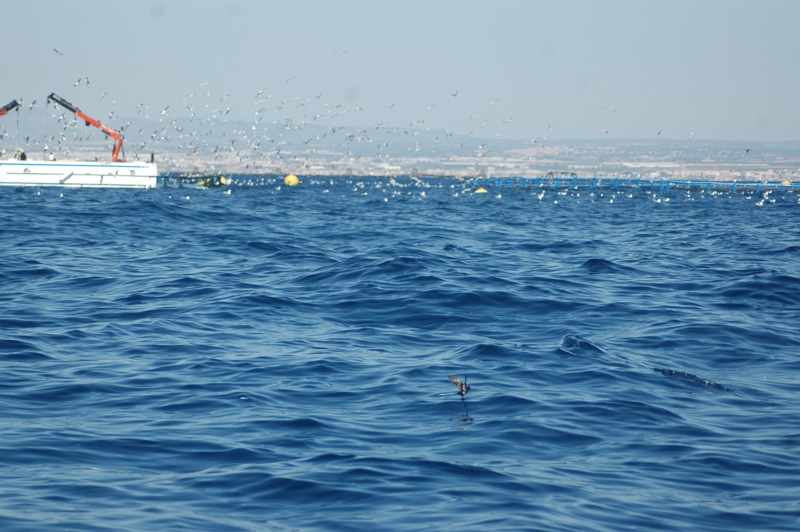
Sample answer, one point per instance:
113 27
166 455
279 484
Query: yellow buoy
481 191
291 180
786 182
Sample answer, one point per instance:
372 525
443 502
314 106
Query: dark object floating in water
598 266
573 344
691 377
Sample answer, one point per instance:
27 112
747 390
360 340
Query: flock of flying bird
274 130
205 126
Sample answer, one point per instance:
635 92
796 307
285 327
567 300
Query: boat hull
78 174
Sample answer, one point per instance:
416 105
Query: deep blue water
278 358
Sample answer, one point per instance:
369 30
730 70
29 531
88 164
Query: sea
268 357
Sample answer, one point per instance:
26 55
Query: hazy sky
563 69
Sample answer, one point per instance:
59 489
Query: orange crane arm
9 107
91 121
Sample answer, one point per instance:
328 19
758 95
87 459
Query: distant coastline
707 160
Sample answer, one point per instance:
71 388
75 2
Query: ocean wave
280 359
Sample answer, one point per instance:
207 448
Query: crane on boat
116 135
10 106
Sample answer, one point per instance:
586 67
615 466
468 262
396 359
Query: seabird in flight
462 386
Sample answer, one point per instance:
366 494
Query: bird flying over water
462 386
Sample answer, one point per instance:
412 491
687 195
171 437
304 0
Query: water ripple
278 359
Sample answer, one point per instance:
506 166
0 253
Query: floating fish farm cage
572 181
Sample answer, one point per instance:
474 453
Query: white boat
80 174
19 171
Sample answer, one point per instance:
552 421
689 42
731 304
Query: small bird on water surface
462 386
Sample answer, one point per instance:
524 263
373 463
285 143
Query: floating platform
574 182
77 174
203 182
